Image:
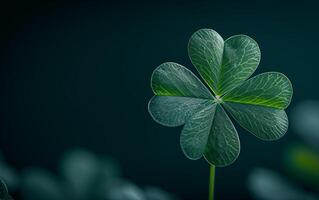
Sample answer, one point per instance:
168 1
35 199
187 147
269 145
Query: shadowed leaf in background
4 195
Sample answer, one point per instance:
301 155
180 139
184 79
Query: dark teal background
78 74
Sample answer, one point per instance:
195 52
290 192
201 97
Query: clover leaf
257 104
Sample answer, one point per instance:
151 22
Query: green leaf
256 105
196 131
172 79
223 65
210 132
179 94
205 49
223 146
265 123
174 111
240 59
271 89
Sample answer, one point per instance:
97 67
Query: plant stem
211 182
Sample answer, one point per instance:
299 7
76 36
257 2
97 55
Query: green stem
211 182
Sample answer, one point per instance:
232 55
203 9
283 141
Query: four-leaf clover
257 104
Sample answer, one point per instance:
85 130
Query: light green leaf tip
257 104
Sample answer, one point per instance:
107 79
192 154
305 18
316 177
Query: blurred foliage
303 163
155 193
268 185
83 171
302 159
120 189
8 174
40 184
4 195
82 175
305 122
